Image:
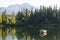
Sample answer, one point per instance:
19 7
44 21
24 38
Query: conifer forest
26 24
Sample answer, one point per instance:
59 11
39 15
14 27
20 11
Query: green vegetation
28 23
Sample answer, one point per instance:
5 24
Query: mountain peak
18 7
26 5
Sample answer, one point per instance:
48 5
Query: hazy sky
37 3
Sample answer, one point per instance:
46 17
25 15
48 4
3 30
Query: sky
36 3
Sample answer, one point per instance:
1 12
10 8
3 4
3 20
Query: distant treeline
39 16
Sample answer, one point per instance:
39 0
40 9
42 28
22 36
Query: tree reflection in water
18 34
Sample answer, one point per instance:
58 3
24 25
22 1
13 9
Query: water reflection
18 34
0 38
9 37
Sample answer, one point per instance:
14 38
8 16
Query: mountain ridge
17 8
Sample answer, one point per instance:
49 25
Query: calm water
11 35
